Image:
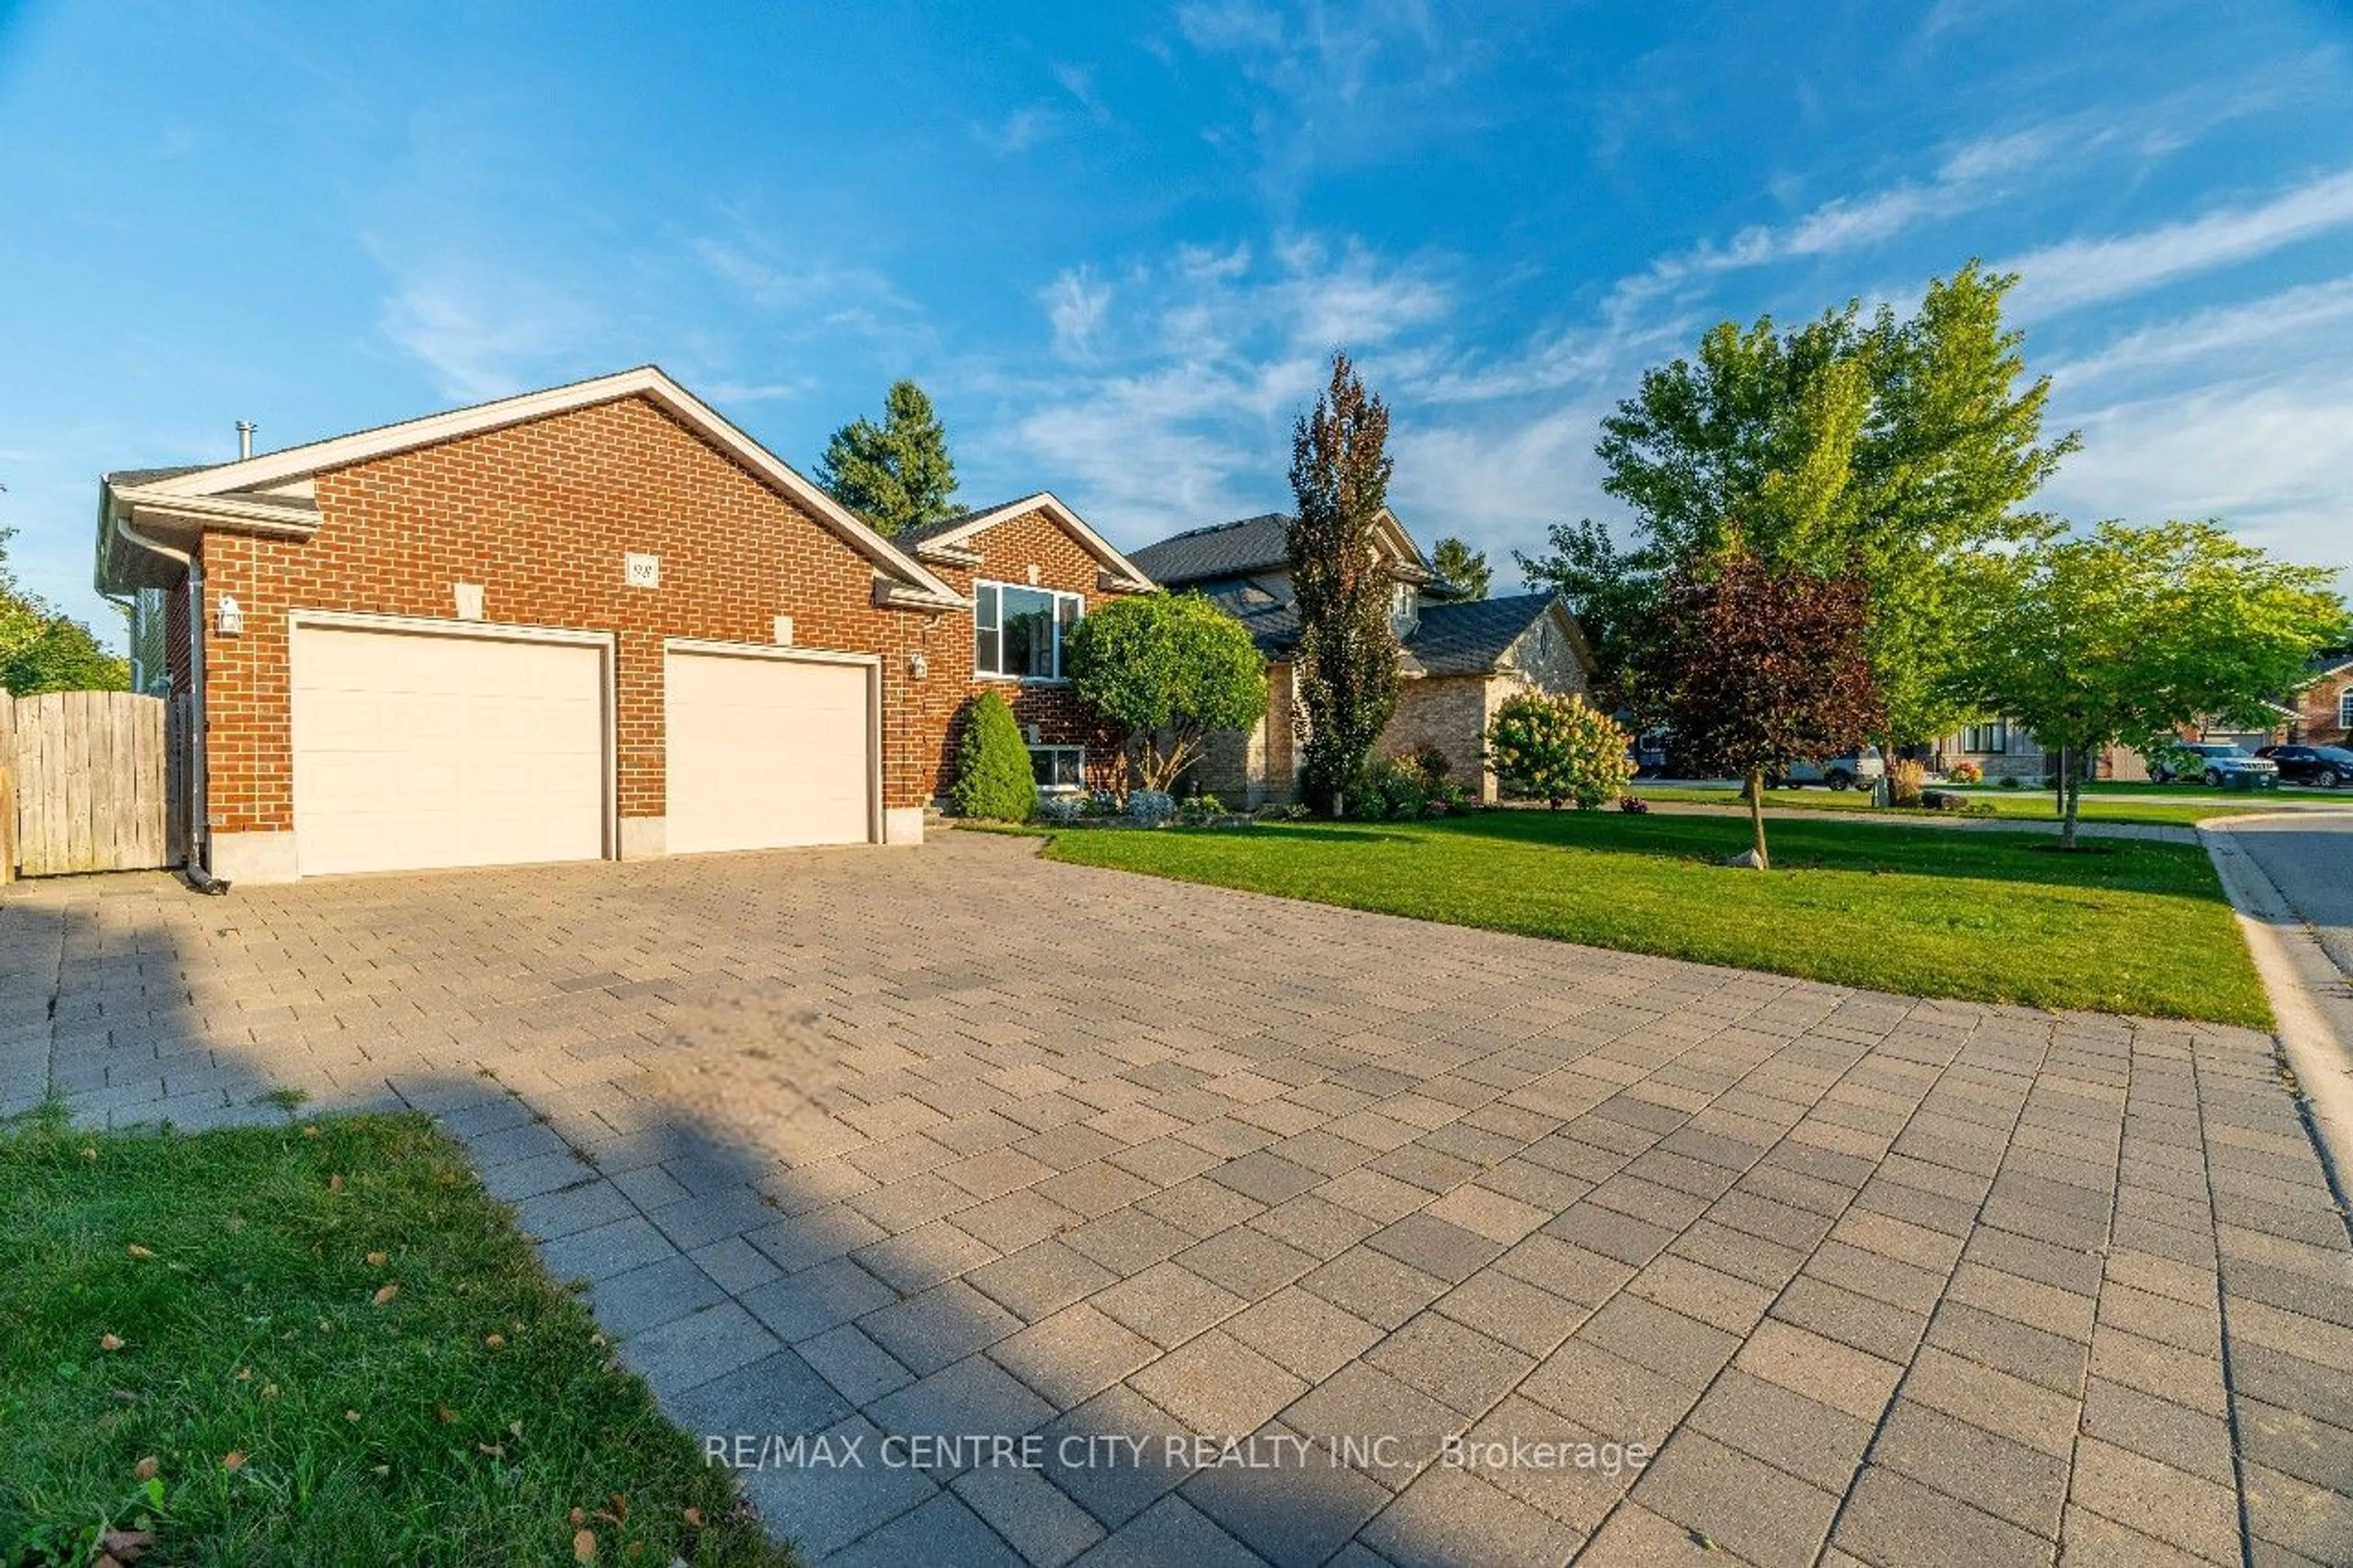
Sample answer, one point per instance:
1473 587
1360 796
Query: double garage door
417 748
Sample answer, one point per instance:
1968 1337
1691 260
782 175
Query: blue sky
1117 242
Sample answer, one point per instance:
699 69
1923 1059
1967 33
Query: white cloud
2292 326
485 335
1075 302
1019 130
2272 459
2081 271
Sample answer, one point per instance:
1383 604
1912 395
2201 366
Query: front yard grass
315 1345
2123 927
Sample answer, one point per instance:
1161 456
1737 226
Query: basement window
1060 769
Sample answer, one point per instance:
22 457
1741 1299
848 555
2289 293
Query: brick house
1028 569
2324 704
593 621
1460 658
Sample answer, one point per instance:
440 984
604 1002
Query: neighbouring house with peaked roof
2324 704
1459 658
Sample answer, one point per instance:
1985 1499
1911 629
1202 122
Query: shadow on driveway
969 1150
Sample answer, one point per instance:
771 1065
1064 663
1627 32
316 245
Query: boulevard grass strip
2122 926
321 1344
2019 807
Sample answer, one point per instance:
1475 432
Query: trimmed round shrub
1559 749
994 781
1150 807
1966 773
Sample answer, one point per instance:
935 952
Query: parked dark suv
2327 766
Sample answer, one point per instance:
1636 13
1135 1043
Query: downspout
200 831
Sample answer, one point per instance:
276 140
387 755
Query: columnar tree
1347 663
1168 670
1462 566
897 474
2132 633
1753 667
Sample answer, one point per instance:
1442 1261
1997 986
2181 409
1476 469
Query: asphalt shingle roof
1467 638
135 477
1227 550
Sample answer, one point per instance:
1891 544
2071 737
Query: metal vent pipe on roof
245 429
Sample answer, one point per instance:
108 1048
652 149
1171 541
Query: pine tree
1347 661
897 474
1464 567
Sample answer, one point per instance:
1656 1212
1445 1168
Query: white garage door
766 752
418 749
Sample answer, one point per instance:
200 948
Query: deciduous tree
1612 592
1753 667
1918 442
1347 664
1168 670
42 648
2132 633
897 474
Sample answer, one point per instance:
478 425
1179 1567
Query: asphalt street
2311 859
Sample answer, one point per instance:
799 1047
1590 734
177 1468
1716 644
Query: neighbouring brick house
1460 658
2324 705
593 621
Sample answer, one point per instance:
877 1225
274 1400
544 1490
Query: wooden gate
89 779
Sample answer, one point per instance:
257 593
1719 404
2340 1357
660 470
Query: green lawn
2196 806
203 1340
2127 927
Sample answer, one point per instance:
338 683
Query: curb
2296 970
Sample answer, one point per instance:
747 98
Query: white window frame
2345 707
1077 788
995 623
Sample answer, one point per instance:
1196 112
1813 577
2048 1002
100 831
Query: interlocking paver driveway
953 1143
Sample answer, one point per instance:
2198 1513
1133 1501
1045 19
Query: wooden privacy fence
82 784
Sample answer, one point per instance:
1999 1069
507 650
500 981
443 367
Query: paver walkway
954 1143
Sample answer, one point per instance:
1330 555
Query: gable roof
946 540
146 516
1468 638
1260 544
2325 663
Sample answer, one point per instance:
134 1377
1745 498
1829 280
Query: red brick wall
1008 550
2319 706
540 514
